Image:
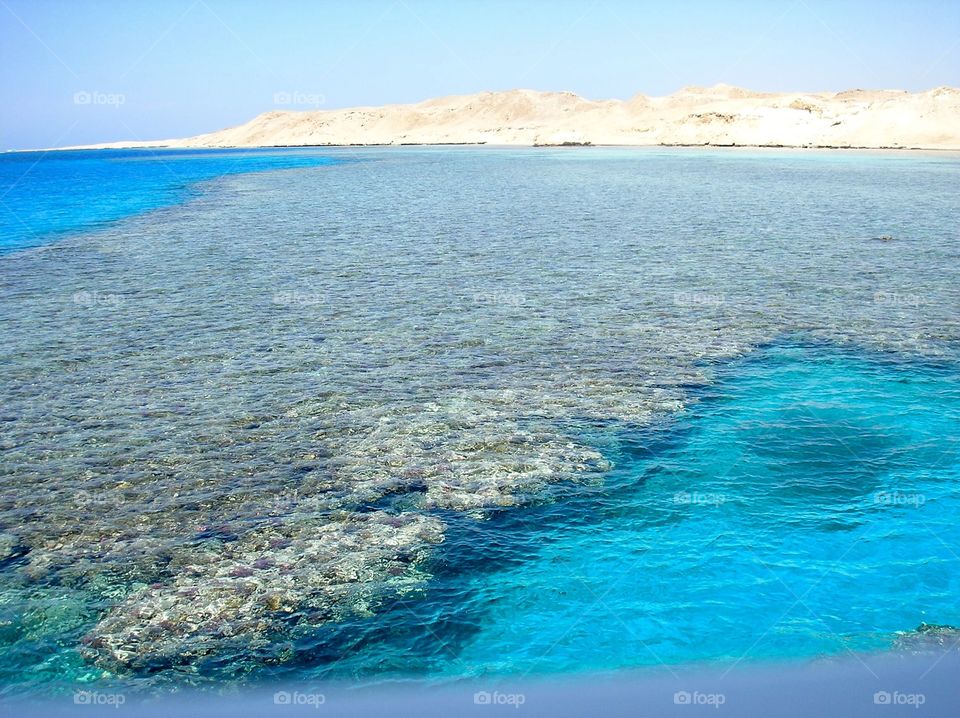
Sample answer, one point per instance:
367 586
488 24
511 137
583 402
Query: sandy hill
719 115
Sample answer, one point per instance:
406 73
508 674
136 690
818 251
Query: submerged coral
251 589
929 638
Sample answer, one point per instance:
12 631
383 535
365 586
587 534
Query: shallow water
678 382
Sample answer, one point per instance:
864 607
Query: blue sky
79 71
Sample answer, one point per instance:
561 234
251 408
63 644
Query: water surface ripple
240 423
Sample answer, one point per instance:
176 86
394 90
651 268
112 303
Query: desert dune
721 116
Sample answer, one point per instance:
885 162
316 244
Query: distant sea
280 415
45 195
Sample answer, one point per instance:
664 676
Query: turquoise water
450 412
44 195
805 507
808 508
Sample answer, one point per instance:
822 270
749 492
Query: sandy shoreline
720 116
384 145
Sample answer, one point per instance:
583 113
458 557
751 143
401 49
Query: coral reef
251 589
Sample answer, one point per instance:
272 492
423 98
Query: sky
85 71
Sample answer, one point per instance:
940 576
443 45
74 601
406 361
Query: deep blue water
44 195
447 412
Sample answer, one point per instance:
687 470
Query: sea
391 413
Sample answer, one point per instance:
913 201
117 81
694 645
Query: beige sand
721 115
